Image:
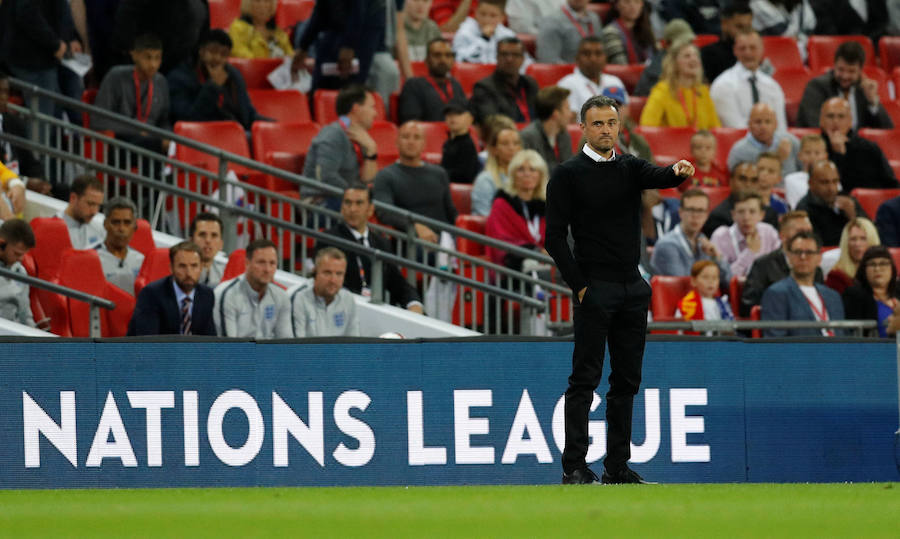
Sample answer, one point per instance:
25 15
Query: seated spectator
424 98
121 264
12 193
766 135
20 161
675 30
794 19
253 305
860 162
847 81
478 38
356 209
628 37
718 56
707 172
659 215
85 199
254 33
744 177
177 304
676 252
506 91
748 238
547 134
799 296
524 16
744 84
856 238
16 238
459 156
796 184
829 211
559 32
343 152
503 145
325 309
773 267
629 141
414 185
588 78
178 23
887 220
210 89
139 92
703 301
874 294
206 231
518 214
680 98
768 168
420 29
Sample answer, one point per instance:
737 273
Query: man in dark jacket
719 56
828 210
506 91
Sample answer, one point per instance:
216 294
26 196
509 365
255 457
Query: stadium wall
162 414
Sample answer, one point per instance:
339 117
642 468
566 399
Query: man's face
509 58
745 177
208 235
835 116
591 59
356 208
747 215
763 124
748 49
703 149
147 61
120 226
410 140
736 24
10 253
86 206
261 267
693 212
812 152
214 55
186 270
846 74
824 182
329 277
601 128
769 173
364 113
439 59
804 257
4 94
794 227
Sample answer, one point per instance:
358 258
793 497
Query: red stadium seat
283 145
636 106
549 74
735 290
822 48
893 108
419 69
669 144
793 82
887 139
703 40
81 270
716 194
435 136
575 134
800 132
475 223
117 319
462 197
223 12
143 238
468 74
385 135
889 49
88 97
756 314
256 70
290 12
156 266
281 105
667 292
237 264
782 52
468 306
629 73
725 139
51 238
870 199
442 10
324 102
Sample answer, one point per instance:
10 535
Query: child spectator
420 29
701 303
459 156
812 150
476 40
768 167
707 172
255 34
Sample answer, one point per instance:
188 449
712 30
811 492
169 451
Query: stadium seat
800 132
893 107
895 254
419 69
667 292
870 199
725 139
281 105
223 12
51 238
529 41
116 320
324 103
143 238
227 135
716 194
88 97
822 48
889 51
462 197
669 144
629 73
468 305
435 136
385 135
475 223
237 264
549 74
156 266
703 40
442 10
81 270
37 310
735 290
283 145
256 70
887 139
290 12
782 52
575 134
636 106
793 83
468 74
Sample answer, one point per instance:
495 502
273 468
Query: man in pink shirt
748 238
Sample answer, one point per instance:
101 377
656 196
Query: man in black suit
177 304
356 209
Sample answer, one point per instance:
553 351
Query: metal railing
722 327
95 302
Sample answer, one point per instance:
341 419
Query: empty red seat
575 134
51 238
636 106
223 12
385 135
256 70
227 135
324 103
475 223
793 83
237 264
822 48
800 132
156 266
782 52
889 50
887 139
290 12
669 144
549 74
143 238
81 270
283 145
435 137
870 199
281 105
629 73
725 139
667 292
893 108
462 197
735 290
468 74
468 305
703 40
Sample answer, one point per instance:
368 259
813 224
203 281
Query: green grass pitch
729 510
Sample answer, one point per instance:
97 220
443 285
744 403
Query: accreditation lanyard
691 118
345 125
820 314
446 93
577 25
142 115
522 102
629 44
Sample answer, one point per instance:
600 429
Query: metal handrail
723 326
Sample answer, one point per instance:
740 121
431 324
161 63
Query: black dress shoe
581 476
624 476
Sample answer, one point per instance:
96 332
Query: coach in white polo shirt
588 79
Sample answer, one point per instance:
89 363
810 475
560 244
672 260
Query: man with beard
424 98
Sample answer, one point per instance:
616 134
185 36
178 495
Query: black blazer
157 312
401 291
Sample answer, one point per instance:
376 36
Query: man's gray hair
120 203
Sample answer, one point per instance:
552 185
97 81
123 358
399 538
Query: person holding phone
16 238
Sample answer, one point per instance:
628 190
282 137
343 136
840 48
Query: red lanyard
446 93
629 45
356 147
820 314
522 102
691 120
590 30
142 116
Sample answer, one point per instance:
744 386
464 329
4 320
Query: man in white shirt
738 88
85 199
121 264
588 79
325 309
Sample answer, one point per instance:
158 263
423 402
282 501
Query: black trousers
613 312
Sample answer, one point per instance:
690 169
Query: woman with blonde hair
519 208
504 143
680 98
255 34
857 236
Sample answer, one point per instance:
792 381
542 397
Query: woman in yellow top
680 98
254 34
14 190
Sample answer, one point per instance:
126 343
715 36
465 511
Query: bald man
860 162
765 134
828 210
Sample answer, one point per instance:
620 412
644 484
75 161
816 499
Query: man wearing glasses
798 296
